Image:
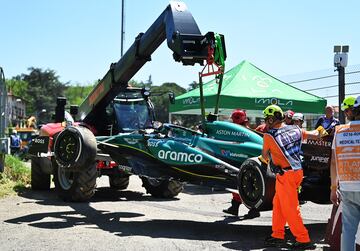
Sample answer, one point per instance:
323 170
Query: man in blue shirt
328 121
15 142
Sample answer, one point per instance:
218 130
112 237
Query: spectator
328 121
15 142
298 119
345 176
282 145
239 117
288 117
263 128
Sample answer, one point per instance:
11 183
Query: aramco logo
180 156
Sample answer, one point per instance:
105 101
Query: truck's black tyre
40 180
118 182
162 188
256 185
75 147
76 186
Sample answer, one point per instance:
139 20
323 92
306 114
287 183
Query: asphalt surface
133 220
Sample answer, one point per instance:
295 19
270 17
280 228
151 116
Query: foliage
17 87
193 85
39 89
76 94
16 176
162 102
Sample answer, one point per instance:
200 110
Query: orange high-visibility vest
347 155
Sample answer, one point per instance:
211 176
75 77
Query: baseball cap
357 102
298 116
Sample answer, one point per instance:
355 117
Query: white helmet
298 116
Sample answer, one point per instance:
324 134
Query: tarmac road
132 220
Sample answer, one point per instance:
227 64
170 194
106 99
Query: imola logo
180 156
191 101
273 101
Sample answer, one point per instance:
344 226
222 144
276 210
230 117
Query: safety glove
322 131
263 161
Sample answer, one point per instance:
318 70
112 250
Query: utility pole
122 26
3 139
340 62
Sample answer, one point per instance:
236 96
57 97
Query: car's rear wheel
119 182
160 188
256 185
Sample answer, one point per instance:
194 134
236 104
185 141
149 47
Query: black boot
234 209
253 213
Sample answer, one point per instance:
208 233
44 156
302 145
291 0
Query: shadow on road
102 194
198 189
123 224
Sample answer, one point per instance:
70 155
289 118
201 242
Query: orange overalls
285 202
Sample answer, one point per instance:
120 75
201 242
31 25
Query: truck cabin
131 110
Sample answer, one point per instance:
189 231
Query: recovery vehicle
222 155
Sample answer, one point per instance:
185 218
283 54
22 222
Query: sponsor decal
231 133
131 141
125 168
180 156
220 166
319 143
39 141
228 153
320 159
154 143
274 101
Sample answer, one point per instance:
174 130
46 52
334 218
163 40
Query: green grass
16 177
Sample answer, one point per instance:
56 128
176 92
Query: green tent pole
202 105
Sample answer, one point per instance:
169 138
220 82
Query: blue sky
79 39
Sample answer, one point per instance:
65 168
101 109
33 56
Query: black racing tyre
76 186
118 182
40 180
162 188
74 147
256 185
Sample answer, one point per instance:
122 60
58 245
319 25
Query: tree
76 94
193 85
161 103
43 89
17 87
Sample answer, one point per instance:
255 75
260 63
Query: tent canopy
247 87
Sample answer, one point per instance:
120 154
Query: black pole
122 27
341 71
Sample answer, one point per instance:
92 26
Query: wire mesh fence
325 84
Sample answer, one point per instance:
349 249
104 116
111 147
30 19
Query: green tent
247 87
